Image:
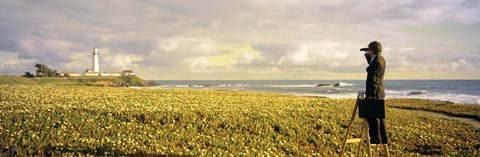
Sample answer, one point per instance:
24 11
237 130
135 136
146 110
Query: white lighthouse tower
95 60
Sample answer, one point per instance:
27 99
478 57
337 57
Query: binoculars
364 49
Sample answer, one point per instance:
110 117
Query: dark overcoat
375 73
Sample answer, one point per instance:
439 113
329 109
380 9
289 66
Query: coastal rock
201 85
417 93
322 85
328 85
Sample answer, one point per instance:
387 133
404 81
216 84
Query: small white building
128 73
71 74
110 74
91 74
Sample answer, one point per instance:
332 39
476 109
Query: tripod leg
352 118
365 126
385 148
345 141
361 142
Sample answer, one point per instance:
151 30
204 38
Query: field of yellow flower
57 120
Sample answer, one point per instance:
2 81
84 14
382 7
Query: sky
243 40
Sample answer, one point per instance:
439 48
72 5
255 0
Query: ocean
458 91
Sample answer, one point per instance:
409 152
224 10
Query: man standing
375 91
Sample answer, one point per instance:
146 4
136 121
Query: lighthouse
95 60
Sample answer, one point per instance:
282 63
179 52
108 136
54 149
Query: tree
44 71
56 73
28 74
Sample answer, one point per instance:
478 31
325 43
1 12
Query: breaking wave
201 85
456 98
464 92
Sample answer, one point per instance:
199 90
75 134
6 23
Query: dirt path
470 121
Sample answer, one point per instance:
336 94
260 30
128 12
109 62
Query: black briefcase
369 108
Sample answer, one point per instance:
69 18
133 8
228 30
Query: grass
60 81
10 79
43 120
124 81
459 110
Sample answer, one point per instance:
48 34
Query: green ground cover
10 79
83 120
459 110
123 81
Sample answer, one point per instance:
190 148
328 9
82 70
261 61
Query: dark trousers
377 131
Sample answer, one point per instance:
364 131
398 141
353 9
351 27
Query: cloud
186 47
326 55
461 11
12 64
45 49
184 38
461 64
121 61
246 58
198 64
177 51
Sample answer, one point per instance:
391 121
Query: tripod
365 134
